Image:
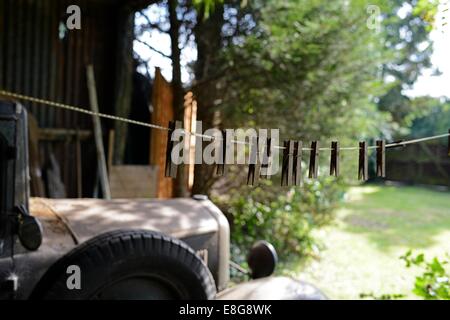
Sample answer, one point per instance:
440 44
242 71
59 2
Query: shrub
284 218
433 283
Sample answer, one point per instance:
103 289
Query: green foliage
207 6
433 283
315 61
313 69
426 10
432 117
427 116
285 219
407 40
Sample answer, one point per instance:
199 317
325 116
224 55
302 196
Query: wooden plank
162 101
79 164
2 40
19 45
110 148
59 63
53 72
68 77
57 134
45 61
133 181
98 134
10 49
28 53
37 56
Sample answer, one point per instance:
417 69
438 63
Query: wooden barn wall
423 163
35 61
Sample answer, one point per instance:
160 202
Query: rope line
81 110
155 126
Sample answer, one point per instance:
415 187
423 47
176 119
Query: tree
312 61
316 61
208 38
407 24
175 23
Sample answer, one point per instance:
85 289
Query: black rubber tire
113 259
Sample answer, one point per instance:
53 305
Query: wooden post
98 133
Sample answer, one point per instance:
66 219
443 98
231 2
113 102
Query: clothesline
158 127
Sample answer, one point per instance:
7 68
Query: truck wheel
131 264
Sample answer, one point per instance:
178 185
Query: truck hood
89 217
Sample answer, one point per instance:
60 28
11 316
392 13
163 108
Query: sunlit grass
375 226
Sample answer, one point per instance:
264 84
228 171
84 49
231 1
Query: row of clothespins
292 155
291 170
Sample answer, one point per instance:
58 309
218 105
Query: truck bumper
272 288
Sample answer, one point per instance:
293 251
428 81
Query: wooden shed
41 57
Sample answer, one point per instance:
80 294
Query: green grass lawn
375 226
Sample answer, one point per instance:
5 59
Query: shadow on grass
397 216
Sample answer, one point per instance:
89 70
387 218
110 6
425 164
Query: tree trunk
178 92
123 83
209 43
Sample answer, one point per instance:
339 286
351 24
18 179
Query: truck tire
128 264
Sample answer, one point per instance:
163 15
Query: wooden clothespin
254 167
171 167
448 142
334 161
314 160
220 168
363 167
381 158
288 163
298 152
267 153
